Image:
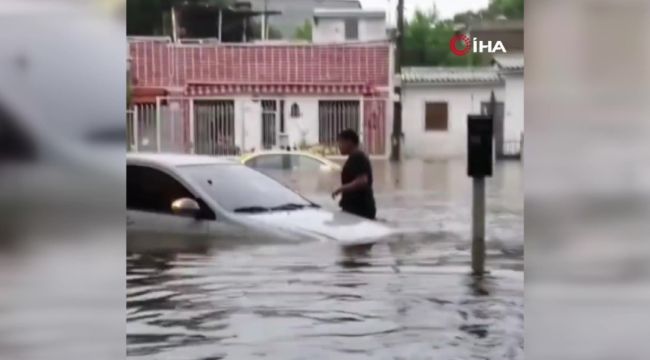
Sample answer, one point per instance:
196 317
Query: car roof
285 152
174 160
282 152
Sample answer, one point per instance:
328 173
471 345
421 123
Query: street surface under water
412 298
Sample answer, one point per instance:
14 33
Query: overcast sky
446 8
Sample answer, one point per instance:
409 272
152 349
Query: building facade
436 102
294 13
216 98
339 25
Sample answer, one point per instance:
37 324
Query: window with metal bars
334 117
214 129
351 29
269 134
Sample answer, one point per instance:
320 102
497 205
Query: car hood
339 226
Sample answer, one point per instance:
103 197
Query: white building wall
248 119
514 107
304 126
330 30
461 101
372 29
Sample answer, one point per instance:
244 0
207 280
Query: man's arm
359 183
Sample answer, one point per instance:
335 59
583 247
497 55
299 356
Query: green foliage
304 32
274 33
511 9
426 36
426 42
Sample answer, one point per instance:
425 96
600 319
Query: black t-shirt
360 202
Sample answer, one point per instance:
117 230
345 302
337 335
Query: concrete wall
461 99
514 107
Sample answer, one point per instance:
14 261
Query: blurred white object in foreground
61 182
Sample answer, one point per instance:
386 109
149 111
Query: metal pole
396 136
220 24
264 20
478 226
174 33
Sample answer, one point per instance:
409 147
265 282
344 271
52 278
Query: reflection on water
412 298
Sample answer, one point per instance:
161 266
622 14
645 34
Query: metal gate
214 127
374 126
269 126
172 125
157 127
131 136
334 117
143 129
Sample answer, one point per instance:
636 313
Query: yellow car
289 160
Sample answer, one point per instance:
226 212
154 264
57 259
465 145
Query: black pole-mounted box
479 145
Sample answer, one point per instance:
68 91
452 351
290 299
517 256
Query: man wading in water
356 178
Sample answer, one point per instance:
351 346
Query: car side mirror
186 207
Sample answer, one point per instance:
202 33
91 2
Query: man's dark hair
349 135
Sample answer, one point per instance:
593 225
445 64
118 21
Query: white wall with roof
463 89
461 99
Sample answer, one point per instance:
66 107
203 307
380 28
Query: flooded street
411 298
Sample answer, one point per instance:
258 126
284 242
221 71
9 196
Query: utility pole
264 20
396 137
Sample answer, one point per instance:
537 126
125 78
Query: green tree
426 42
304 32
511 9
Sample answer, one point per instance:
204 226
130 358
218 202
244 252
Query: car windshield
241 189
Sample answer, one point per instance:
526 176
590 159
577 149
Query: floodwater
412 298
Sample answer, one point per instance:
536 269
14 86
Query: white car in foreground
186 196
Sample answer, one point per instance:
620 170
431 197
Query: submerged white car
186 196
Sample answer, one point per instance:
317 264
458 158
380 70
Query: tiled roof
450 75
157 64
510 61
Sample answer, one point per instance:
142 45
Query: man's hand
336 193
